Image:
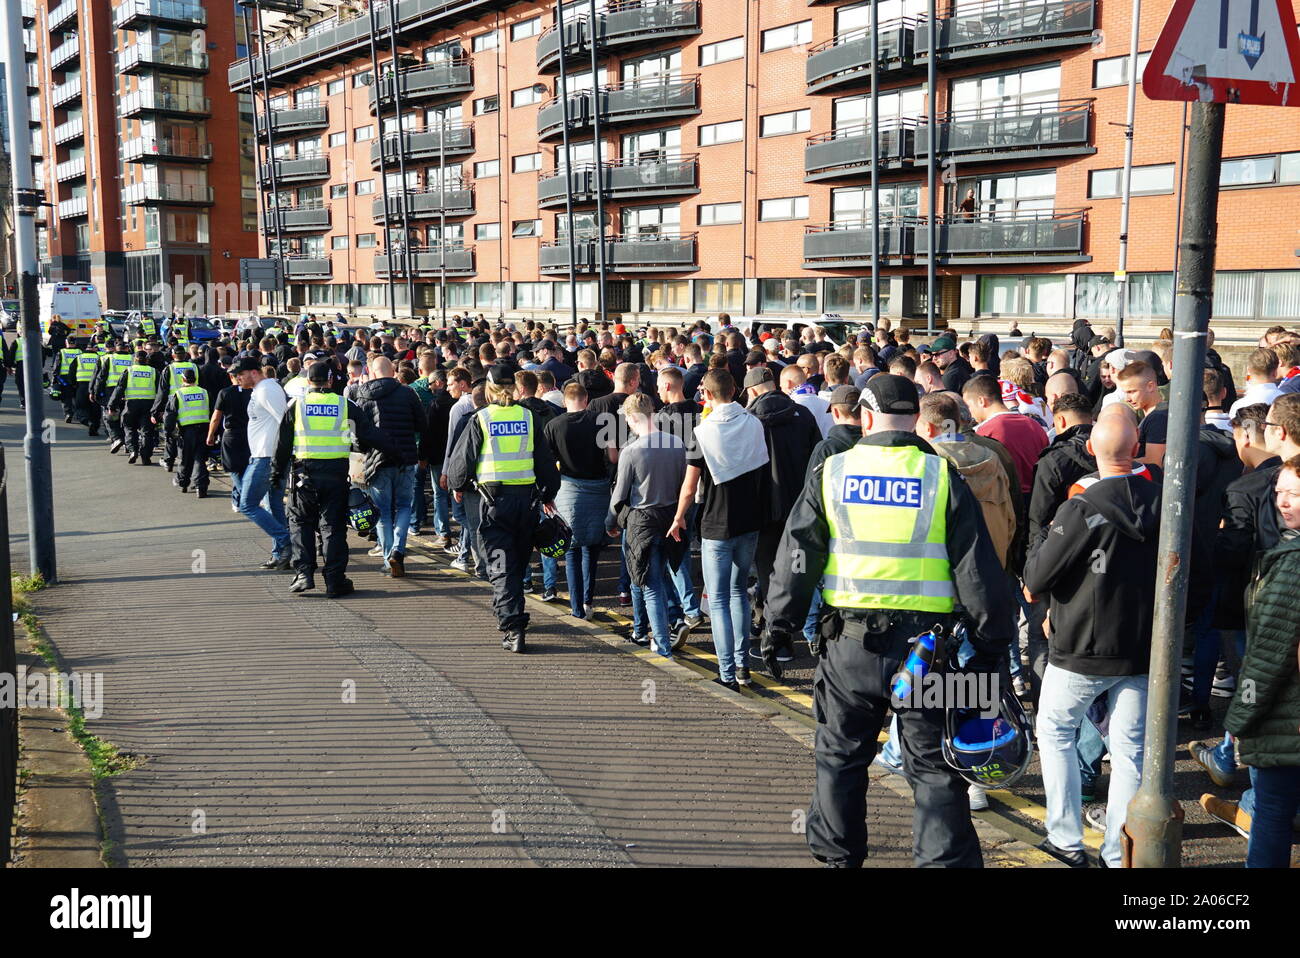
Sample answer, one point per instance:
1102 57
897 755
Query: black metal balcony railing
425 144
152 101
847 242
1041 128
131 14
456 200
184 194
145 56
300 219
148 150
845 60
443 78
307 266
847 150
635 101
1021 236
296 170
427 261
987 29
658 252
347 31
625 180
623 24
304 119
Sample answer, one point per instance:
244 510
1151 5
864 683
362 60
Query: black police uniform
855 671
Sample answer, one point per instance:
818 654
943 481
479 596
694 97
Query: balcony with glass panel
67 132
847 242
649 252
73 208
62 17
139 14
70 170
1025 131
846 152
64 93
297 219
157 150
455 200
167 194
622 25
635 101
624 181
69 49
146 57
844 62
301 170
1013 236
140 102
430 81
303 267
426 261
1002 28
424 145
305 119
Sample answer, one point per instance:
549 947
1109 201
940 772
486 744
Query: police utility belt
877 629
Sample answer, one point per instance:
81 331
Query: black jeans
141 434
87 408
850 697
318 499
193 469
506 533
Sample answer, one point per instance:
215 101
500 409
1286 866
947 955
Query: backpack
988 481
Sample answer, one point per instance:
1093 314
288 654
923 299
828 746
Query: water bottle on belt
918 664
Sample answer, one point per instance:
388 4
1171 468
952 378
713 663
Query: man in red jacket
1024 437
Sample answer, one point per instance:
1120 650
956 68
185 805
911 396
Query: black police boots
340 589
514 641
302 583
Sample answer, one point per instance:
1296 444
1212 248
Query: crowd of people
660 442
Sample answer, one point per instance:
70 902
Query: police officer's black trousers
318 499
850 697
68 396
141 434
113 423
87 408
193 469
506 538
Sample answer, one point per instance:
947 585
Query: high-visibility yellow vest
147 326
141 382
887 508
118 364
87 364
181 330
174 374
192 405
320 427
506 454
67 359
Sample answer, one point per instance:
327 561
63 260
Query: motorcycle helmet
989 752
552 537
361 513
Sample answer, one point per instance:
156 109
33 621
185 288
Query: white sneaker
377 552
1095 816
459 565
978 800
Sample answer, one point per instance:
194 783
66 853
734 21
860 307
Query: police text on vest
498 429
882 491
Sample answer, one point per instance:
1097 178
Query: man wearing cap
504 454
943 351
548 358
312 453
896 539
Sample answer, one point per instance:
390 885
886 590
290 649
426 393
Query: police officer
133 397
168 383
504 454
112 367
896 540
187 416
180 329
313 452
65 380
146 326
87 405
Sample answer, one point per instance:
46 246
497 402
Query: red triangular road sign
1227 51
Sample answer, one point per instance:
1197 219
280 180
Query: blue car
202 330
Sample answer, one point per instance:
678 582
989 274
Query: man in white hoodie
794 383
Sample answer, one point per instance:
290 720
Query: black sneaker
302 583
515 642
681 632
1202 719
726 685
1076 859
549 595
340 589
116 447
694 621
641 640
742 675
132 459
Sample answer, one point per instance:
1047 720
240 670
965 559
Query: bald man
1097 565
1059 384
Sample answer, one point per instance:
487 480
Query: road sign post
1211 52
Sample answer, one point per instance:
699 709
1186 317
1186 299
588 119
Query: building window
526 163
484 41
526 28
338 242
733 131
486 105
1022 296
528 95
363 133
666 295
1011 194
486 169
307 96
1280 295
487 231
338 139
718 214
533 295
1150 296
336 87
722 51
338 191
362 79
790 35
365 187
586 295
1147 181
999 93
780 124
1113 71
487 295
854 295
522 228
1249 171
787 295
786 208
365 241
717 295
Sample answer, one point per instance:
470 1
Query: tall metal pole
376 81
1126 186
401 160
263 212
264 55
1155 819
875 168
36 446
442 213
594 39
568 165
931 160
1182 178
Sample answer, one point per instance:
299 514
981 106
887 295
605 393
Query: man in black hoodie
1064 462
1097 565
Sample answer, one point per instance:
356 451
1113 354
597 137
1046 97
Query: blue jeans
891 753
263 503
550 573
1092 746
726 565
471 550
810 623
1205 656
640 601
1062 707
580 571
419 500
656 599
393 489
441 502
1275 803
688 597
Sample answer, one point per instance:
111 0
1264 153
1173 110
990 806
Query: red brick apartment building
146 157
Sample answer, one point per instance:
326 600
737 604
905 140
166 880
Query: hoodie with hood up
1098 565
1064 462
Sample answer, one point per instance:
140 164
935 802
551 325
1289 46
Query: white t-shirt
820 409
266 407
